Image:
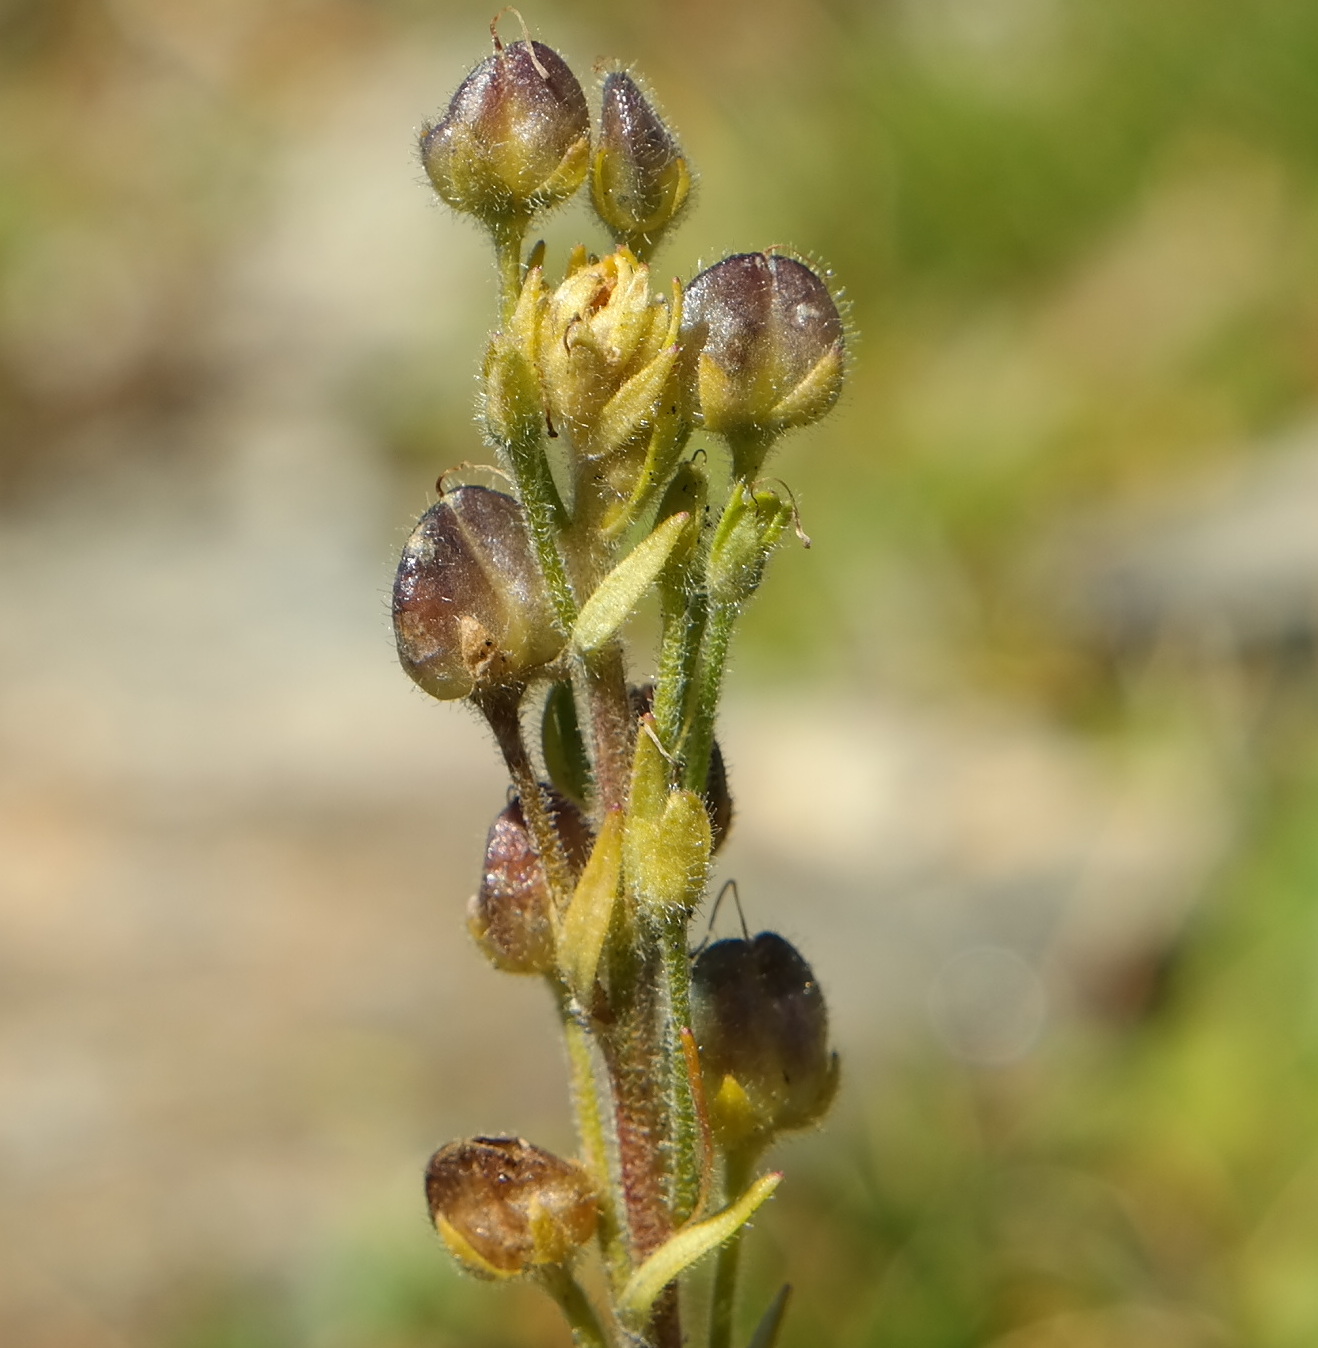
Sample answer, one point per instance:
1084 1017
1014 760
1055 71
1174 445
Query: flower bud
511 917
469 606
771 343
639 181
748 530
515 138
503 1206
761 1025
716 795
607 350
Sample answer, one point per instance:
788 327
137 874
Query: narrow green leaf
766 1333
679 1252
621 590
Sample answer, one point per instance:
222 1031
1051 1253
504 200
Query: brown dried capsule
761 1025
470 609
640 180
515 138
504 1206
511 917
771 339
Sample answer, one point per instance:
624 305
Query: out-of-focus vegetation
1079 241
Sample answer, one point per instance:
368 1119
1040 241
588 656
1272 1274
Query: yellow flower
607 349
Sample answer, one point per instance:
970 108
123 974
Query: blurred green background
1024 747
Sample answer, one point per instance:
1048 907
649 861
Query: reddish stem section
642 1131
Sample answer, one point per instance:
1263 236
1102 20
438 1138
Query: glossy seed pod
470 610
639 181
771 344
515 138
511 915
504 1206
761 1026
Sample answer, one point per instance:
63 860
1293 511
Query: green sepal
668 841
632 408
752 523
603 614
469 1256
689 1245
565 179
815 394
514 399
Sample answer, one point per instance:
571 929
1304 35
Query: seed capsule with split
504 1207
469 607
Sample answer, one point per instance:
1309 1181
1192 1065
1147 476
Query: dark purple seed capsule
469 607
511 915
761 1025
771 344
515 138
640 181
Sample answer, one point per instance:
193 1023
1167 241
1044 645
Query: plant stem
544 517
501 709
737 1177
590 1129
587 1332
683 1122
600 680
632 1044
602 684
639 1108
508 255
748 451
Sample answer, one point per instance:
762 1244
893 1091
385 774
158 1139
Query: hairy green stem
501 709
705 691
600 677
545 518
683 1123
684 626
587 1332
508 239
748 451
737 1177
589 1118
